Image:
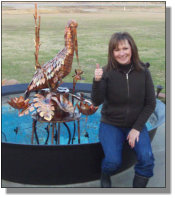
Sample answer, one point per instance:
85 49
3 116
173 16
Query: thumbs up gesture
98 72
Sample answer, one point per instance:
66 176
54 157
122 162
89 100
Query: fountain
62 163
52 142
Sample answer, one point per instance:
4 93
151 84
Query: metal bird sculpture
51 73
53 104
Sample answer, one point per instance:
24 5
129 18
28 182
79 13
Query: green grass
94 32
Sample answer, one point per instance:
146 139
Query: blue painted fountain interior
18 130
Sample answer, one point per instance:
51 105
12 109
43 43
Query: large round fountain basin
61 164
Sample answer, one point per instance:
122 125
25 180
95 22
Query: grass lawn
94 31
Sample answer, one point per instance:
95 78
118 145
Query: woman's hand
98 72
132 137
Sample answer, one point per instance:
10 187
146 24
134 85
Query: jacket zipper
127 84
127 80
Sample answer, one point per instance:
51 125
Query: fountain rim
50 146
20 88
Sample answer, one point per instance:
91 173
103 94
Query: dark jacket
126 102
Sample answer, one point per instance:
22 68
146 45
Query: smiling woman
122 53
123 50
126 90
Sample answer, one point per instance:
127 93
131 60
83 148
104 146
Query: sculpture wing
50 73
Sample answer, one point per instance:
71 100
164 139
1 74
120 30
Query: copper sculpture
50 104
60 66
19 103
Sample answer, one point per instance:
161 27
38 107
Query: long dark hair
113 43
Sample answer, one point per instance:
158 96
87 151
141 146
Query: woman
125 88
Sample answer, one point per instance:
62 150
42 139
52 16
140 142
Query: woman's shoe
105 181
140 181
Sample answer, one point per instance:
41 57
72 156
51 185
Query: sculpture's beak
76 44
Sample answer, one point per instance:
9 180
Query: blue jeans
112 139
